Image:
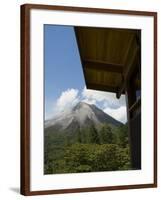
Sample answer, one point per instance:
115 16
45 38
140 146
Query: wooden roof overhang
109 56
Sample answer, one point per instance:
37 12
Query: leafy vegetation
87 150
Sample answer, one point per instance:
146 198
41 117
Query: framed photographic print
88 99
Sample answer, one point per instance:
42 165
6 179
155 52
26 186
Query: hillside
85 139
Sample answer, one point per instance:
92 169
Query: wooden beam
129 70
101 87
103 66
121 89
135 105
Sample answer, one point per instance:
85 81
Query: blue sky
64 80
62 62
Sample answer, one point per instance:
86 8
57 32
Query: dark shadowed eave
109 57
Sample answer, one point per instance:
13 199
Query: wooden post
134 127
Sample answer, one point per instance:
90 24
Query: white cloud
119 113
109 103
67 100
108 99
105 100
89 101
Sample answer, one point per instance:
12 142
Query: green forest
87 150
